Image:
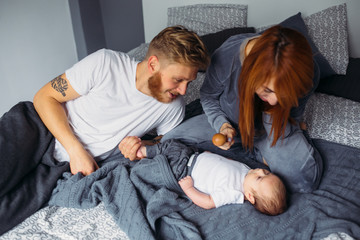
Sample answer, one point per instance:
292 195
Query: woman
255 92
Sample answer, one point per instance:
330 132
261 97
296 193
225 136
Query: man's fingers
133 150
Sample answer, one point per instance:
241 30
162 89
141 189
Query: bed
138 206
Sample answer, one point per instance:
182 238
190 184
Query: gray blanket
28 171
147 203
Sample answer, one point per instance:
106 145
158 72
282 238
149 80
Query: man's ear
250 197
153 64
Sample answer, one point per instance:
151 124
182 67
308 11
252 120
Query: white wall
36 44
260 13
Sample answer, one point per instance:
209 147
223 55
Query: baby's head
265 191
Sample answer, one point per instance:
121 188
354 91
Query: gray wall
111 24
36 45
40 39
88 26
123 24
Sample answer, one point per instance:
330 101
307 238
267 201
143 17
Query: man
108 98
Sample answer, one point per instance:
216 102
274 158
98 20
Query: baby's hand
141 152
186 182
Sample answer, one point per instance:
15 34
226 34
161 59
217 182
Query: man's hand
129 147
82 161
227 130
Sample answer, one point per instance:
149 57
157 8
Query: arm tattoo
60 85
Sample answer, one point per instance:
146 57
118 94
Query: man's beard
155 87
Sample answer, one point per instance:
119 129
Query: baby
211 180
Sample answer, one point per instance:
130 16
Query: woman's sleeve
210 93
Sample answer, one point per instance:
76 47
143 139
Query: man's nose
182 88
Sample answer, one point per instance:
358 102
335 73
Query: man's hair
179 45
275 203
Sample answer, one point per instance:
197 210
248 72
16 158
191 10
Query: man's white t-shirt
110 107
219 177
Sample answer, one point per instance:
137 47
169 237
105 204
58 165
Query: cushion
214 40
208 18
334 119
139 52
346 86
193 90
296 22
328 30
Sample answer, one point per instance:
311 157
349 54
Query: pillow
208 18
193 90
346 86
214 40
139 52
328 30
297 23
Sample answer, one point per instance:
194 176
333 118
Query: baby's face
259 180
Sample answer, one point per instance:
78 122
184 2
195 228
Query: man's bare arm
47 102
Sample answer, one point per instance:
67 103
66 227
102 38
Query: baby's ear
250 197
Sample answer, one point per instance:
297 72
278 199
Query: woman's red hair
281 54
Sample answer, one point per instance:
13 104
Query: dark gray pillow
214 40
346 86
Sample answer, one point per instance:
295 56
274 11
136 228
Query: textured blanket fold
146 202
28 171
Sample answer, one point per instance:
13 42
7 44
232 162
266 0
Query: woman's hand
227 130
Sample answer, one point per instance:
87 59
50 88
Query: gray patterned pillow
193 90
328 30
139 52
333 122
208 18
